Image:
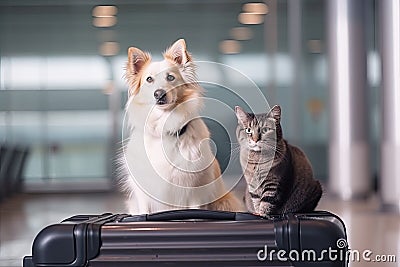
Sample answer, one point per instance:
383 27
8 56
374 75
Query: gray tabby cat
279 176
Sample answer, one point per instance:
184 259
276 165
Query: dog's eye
149 79
248 131
170 78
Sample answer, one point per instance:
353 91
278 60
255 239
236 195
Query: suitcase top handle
201 214
192 214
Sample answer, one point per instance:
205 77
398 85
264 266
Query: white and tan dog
168 158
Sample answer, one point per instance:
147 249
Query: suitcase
192 238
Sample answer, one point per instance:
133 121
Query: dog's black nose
160 96
159 93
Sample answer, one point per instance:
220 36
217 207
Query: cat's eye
248 131
149 79
170 77
264 130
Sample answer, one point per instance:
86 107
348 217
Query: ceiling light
241 33
255 8
104 22
314 46
250 18
230 47
109 48
104 11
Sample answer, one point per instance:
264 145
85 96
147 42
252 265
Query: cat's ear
241 115
275 113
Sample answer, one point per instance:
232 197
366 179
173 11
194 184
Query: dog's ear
178 53
136 60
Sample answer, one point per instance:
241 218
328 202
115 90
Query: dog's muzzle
161 96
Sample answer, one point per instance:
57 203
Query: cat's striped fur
279 175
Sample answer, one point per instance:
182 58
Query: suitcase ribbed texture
167 244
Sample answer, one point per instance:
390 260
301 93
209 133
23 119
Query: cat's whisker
275 147
235 153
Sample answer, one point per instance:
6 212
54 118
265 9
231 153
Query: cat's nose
255 137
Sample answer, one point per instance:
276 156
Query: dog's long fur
169 165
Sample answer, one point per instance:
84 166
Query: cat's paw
265 208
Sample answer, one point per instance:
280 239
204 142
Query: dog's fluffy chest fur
164 162
168 150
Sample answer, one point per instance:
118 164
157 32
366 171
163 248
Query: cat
279 176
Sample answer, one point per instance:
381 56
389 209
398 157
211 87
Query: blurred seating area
13 160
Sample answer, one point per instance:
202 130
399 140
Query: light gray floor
23 216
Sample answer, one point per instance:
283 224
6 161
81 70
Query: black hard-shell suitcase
192 238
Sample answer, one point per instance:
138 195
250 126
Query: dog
168 160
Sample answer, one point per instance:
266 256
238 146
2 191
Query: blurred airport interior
333 66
